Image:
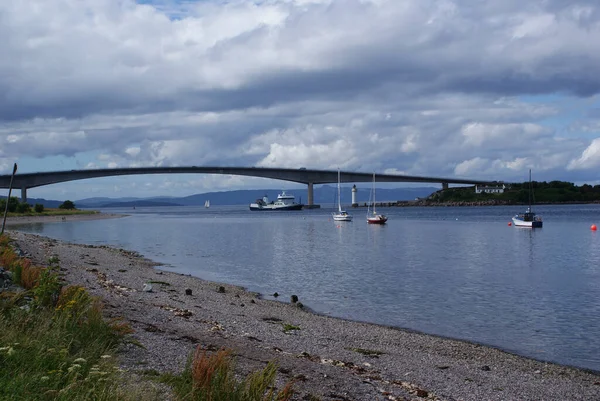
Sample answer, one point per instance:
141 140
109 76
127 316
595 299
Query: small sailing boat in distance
375 218
341 214
528 219
207 204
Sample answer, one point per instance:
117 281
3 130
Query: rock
188 291
486 368
221 289
294 298
300 305
275 295
147 287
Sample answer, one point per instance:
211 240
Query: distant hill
47 203
136 203
322 194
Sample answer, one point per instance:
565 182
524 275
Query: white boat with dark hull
284 202
528 219
375 218
341 214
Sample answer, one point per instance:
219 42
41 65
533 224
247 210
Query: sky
471 89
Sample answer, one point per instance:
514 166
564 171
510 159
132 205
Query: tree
23 207
39 208
67 205
13 203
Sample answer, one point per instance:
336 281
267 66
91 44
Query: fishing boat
207 204
374 218
341 214
528 219
284 202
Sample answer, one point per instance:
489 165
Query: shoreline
328 357
19 220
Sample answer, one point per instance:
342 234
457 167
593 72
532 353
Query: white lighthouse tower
354 203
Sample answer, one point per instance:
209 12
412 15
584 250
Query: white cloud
589 159
431 87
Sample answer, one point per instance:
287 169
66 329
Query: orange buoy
593 227
509 224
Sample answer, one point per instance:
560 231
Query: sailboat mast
374 212
339 193
530 189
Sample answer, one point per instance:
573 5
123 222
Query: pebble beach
327 358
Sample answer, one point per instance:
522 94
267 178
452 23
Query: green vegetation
67 205
289 327
54 342
211 378
543 192
56 345
17 208
368 352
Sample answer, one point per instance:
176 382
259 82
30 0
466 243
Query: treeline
16 206
542 192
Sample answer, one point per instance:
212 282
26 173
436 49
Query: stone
294 298
147 287
486 368
188 291
221 289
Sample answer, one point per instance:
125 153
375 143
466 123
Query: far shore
18 220
327 358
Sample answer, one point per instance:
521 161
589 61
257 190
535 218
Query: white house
490 189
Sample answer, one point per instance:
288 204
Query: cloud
589 159
432 87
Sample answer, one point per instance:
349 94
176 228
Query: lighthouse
354 203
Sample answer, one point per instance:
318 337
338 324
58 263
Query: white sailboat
374 218
341 214
207 204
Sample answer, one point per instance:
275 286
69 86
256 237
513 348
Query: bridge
302 175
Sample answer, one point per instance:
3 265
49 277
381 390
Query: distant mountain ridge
324 194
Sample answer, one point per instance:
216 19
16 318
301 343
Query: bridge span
304 176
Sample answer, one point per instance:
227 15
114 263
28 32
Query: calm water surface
456 272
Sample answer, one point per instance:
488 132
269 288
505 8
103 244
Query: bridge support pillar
24 194
444 185
310 204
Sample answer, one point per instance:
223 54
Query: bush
13 204
67 205
212 377
39 208
23 207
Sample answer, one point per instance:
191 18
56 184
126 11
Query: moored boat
341 214
529 218
284 202
375 218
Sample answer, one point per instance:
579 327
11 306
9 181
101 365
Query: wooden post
8 199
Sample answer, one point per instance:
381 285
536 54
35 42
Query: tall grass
211 377
54 342
56 345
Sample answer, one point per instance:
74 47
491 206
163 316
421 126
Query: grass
368 352
54 212
55 344
159 282
289 327
211 377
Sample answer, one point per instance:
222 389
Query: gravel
328 358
